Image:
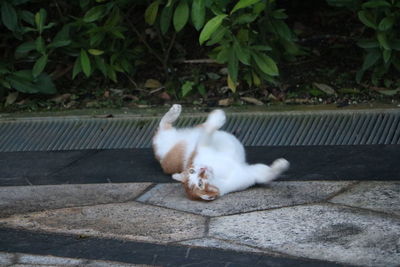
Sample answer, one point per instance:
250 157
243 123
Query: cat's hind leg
170 117
265 174
215 120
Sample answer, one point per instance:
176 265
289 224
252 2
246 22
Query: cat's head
195 180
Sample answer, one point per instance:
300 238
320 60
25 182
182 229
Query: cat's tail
265 174
170 117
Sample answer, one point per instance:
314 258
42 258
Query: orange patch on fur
173 161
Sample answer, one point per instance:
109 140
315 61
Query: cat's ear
179 177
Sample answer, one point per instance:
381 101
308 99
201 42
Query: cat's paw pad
216 119
280 165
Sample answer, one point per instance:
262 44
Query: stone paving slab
22 199
274 195
133 221
380 196
325 232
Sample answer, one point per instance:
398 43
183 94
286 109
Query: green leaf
96 52
262 47
40 46
370 59
386 23
150 14
368 44
63 34
40 19
279 14
242 53
201 88
231 84
245 18
386 55
23 82
233 65
95 13
282 29
101 65
181 15
223 55
28 17
217 36
165 19
77 68
243 4
25 47
85 63
9 16
59 43
265 63
382 38
198 13
39 66
389 92
375 3
186 88
367 18
210 27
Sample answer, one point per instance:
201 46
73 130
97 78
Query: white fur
219 152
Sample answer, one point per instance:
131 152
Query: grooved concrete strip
357 127
321 232
22 199
379 196
277 194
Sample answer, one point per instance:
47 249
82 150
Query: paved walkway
336 206
295 222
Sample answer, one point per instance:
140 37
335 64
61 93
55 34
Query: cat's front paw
280 165
216 119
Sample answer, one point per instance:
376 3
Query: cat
207 161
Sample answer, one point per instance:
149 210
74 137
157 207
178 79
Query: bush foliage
46 43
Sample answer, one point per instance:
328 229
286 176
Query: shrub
249 36
380 38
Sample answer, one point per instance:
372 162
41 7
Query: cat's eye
191 171
200 184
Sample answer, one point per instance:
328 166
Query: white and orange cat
207 161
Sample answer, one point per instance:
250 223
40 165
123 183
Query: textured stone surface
133 221
49 260
20 259
6 258
216 243
277 194
20 199
324 232
380 196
